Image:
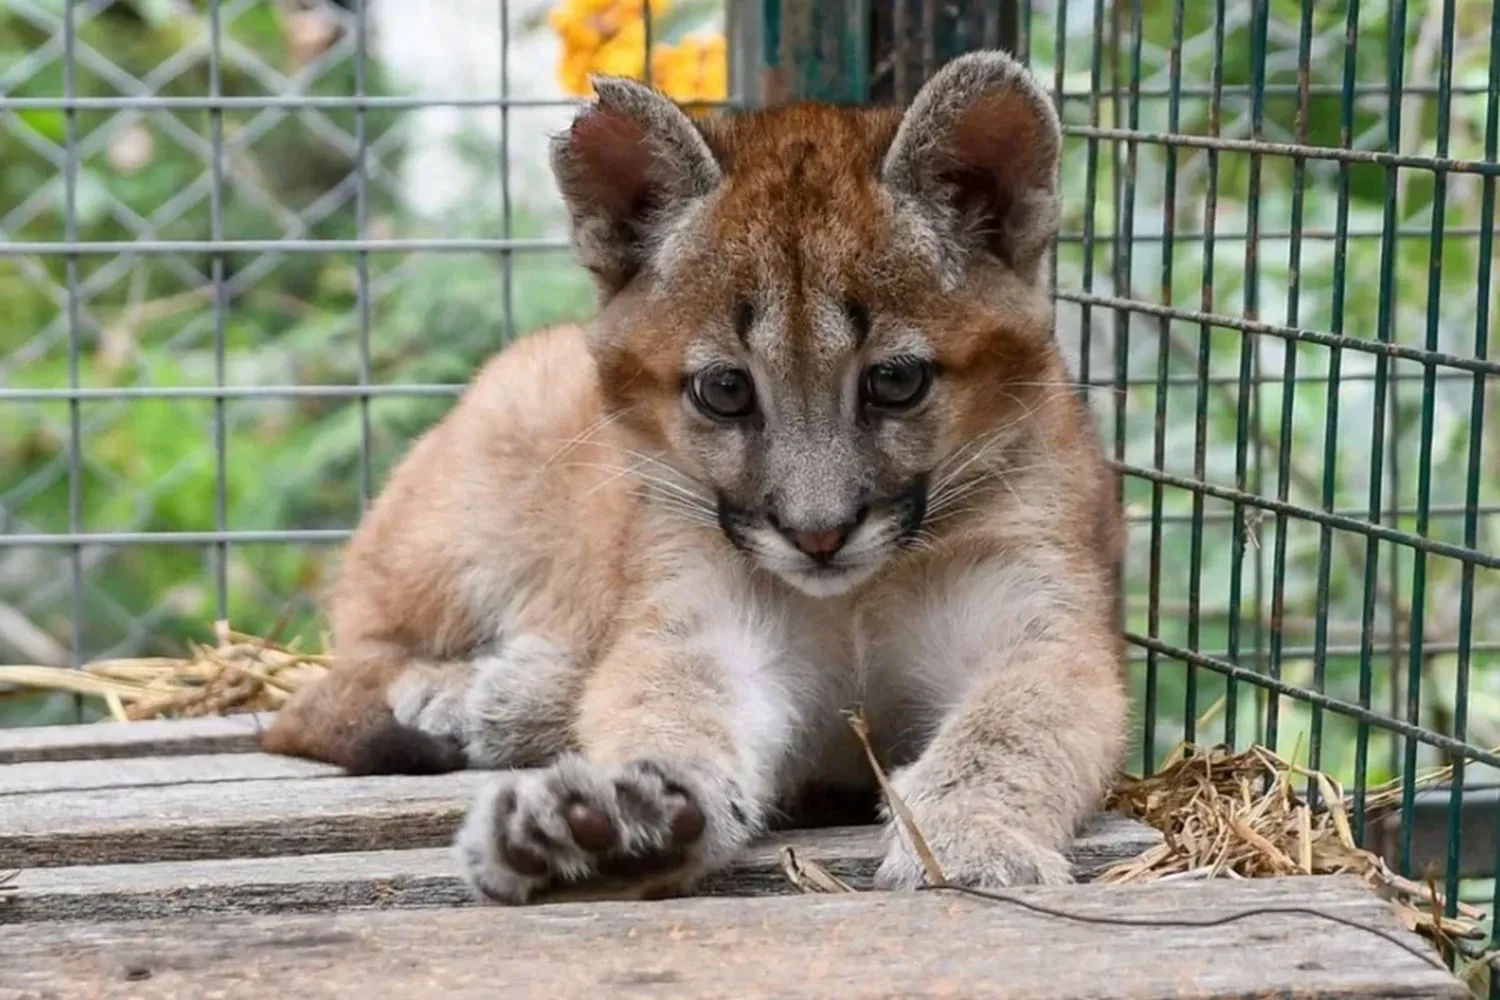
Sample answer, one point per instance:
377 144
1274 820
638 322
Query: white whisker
982 447
949 515
567 447
953 494
680 489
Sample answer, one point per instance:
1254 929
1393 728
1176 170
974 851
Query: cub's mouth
824 562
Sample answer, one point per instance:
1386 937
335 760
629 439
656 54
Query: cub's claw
582 829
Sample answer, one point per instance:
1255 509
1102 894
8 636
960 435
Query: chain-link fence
233 293
249 249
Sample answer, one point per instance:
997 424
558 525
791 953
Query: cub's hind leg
345 718
512 707
503 524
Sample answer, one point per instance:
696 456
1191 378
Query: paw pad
575 822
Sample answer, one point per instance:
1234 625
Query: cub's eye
897 384
723 393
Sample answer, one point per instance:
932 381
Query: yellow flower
625 53
609 37
694 70
573 72
578 35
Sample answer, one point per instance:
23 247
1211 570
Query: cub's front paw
588 830
980 856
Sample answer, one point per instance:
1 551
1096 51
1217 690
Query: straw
240 673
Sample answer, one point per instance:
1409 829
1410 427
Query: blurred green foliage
148 320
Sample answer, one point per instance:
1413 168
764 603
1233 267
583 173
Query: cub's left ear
976 155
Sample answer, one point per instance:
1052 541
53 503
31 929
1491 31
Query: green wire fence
1277 277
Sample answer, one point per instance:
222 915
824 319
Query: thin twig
809 876
919 843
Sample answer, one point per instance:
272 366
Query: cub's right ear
630 163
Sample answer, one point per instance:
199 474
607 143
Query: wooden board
427 877
169 859
142 772
229 734
862 945
236 819
256 806
1431 823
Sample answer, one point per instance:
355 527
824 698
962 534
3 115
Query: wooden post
858 51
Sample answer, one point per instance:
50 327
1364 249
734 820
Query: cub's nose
818 544
821 545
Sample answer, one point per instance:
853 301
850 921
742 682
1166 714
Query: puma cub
818 450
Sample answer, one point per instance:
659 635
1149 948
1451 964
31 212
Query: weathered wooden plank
381 879
1109 839
861 945
1431 822
427 877
319 813
141 772
227 734
235 819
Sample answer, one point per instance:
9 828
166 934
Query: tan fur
580 575
511 490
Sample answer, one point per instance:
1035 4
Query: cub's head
817 322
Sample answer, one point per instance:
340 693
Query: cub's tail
343 718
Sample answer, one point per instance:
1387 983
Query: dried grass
1241 815
242 673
